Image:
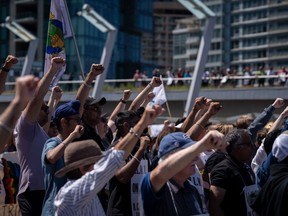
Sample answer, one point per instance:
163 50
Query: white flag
59 27
160 95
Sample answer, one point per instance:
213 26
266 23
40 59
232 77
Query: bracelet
5 127
123 101
134 133
200 126
135 158
5 69
87 85
150 85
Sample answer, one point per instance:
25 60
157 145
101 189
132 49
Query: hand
156 81
56 93
214 108
144 142
278 103
96 69
214 140
10 61
150 96
151 113
25 88
78 131
200 102
167 123
126 94
57 62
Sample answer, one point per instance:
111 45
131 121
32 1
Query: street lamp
26 36
201 11
104 26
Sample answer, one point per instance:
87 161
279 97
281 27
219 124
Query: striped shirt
79 197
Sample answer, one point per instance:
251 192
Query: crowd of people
259 77
74 159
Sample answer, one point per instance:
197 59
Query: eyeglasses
78 120
45 108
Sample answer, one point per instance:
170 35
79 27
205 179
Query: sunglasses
95 109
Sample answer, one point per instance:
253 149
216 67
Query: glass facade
132 18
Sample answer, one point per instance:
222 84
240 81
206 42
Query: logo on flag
59 27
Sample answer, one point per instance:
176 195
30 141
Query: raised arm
8 64
198 129
125 174
279 122
34 106
170 166
83 91
136 103
25 88
129 141
54 99
198 105
119 108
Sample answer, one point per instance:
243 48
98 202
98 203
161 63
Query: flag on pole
160 95
59 27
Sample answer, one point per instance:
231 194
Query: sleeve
83 190
258 159
49 144
260 121
220 177
149 197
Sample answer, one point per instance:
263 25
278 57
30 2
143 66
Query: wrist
5 69
123 101
150 86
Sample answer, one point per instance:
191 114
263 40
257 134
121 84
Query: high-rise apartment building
132 18
166 13
247 33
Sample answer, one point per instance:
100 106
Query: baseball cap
280 147
174 141
91 101
66 110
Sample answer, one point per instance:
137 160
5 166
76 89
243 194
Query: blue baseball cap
66 110
174 141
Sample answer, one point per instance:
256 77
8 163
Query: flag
59 27
160 95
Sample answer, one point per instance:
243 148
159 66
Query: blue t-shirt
171 199
51 182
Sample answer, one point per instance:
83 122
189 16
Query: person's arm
278 123
24 91
198 105
155 82
263 118
198 129
34 106
119 108
125 174
54 154
129 141
203 109
54 99
84 89
149 98
170 166
216 197
4 70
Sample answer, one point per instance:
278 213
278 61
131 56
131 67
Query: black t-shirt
232 177
90 133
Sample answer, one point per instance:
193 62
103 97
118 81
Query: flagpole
74 40
168 109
